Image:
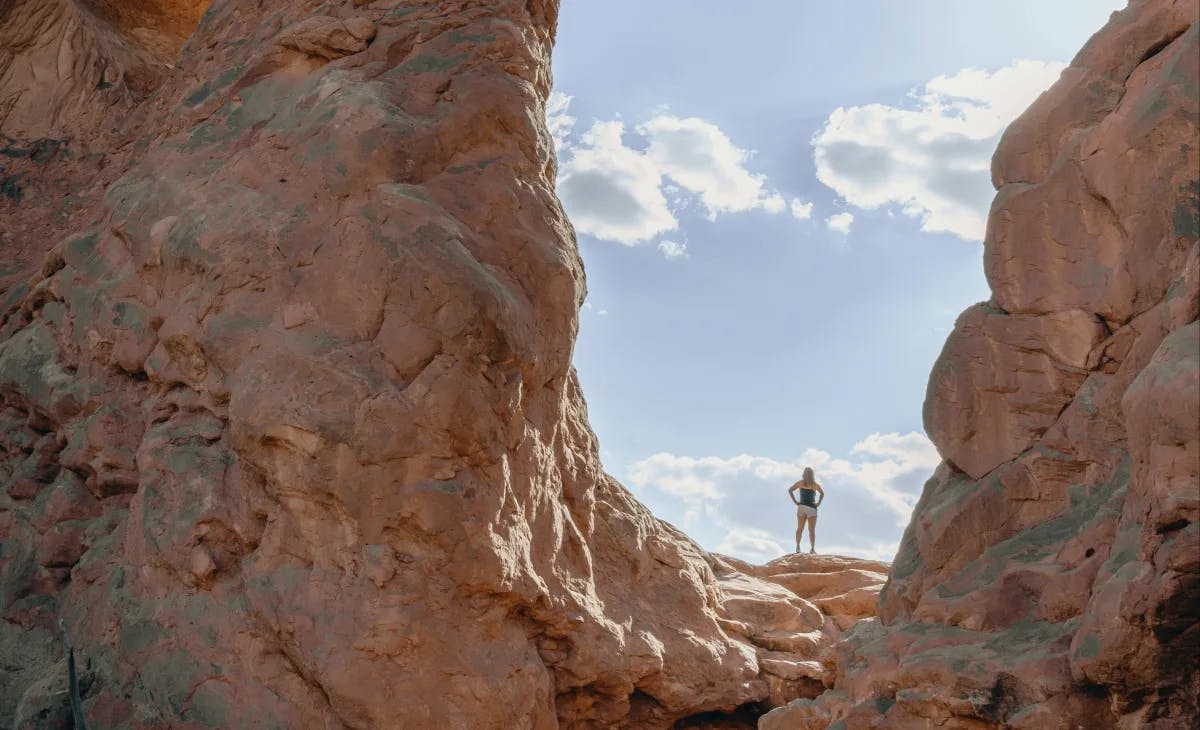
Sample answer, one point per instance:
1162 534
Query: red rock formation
1051 572
843 590
289 435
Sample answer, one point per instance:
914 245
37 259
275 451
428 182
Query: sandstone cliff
1050 576
289 435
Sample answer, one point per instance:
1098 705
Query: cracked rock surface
1050 575
289 434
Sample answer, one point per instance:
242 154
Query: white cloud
872 550
701 158
631 193
840 222
875 469
932 157
733 498
774 203
611 191
558 121
909 448
751 544
801 211
673 475
672 250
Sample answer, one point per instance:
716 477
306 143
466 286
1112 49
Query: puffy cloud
672 250
840 222
801 211
674 475
700 158
751 544
774 203
909 448
620 192
612 191
932 157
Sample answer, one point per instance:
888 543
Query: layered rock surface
793 657
289 435
1051 572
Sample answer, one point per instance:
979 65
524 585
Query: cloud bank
885 471
931 157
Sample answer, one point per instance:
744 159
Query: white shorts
803 510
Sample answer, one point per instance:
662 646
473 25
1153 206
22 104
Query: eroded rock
288 426
1043 578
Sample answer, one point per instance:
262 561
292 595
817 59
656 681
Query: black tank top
808 497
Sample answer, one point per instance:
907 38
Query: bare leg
799 530
812 534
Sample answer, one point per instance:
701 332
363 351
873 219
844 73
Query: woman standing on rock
806 507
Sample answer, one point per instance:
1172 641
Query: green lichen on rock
1185 218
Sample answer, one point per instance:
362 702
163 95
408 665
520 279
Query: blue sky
779 206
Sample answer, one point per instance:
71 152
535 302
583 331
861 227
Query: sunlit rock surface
1050 576
289 435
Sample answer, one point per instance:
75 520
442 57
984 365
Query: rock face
1051 572
289 435
796 622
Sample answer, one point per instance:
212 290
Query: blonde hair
808 477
